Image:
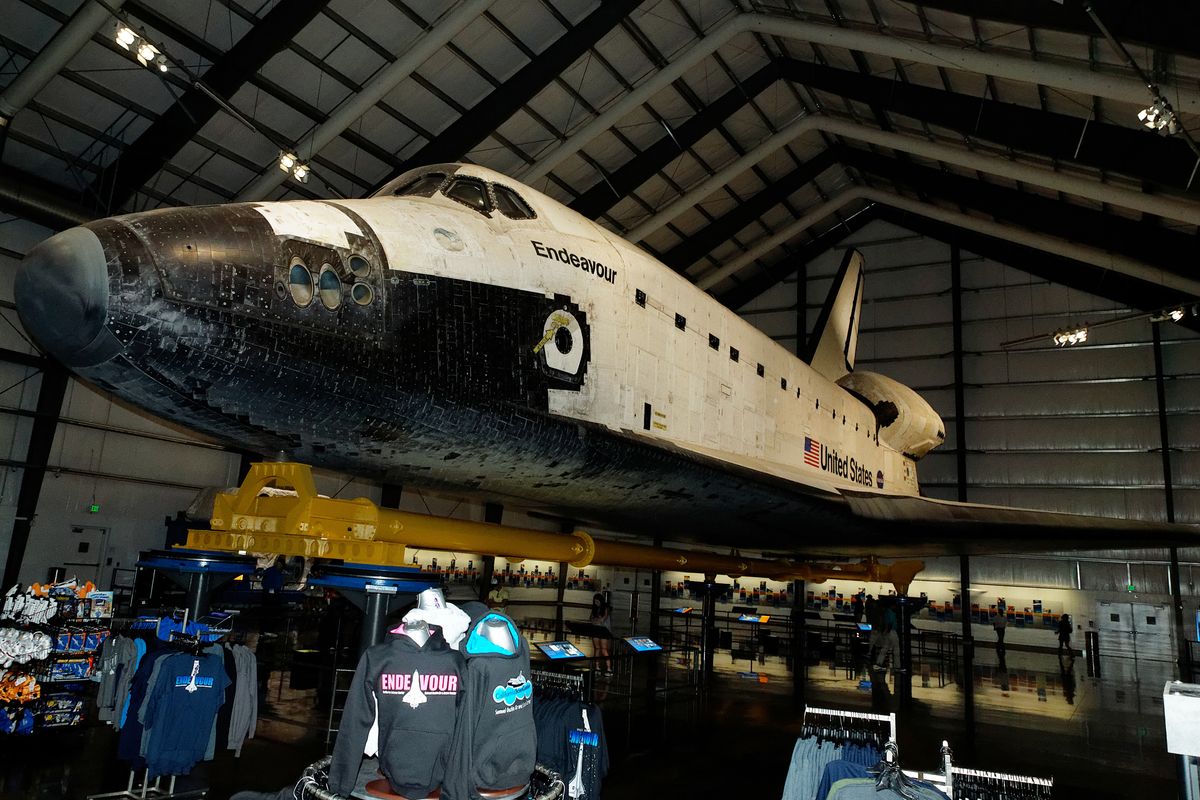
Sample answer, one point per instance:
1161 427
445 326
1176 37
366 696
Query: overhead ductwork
69 40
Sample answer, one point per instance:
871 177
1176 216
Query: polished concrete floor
1098 736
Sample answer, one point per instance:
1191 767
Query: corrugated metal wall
1066 429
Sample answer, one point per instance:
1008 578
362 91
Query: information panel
643 644
560 650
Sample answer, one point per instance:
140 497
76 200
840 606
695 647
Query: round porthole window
362 294
300 283
563 340
360 266
330 287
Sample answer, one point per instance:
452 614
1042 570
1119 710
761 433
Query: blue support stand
374 589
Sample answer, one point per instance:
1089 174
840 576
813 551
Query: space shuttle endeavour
461 331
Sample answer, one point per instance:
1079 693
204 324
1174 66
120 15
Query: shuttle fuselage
471 334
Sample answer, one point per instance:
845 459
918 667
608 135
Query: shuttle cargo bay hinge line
299 522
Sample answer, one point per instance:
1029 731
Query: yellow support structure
261 519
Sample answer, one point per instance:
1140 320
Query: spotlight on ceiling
1169 315
1072 336
146 53
125 36
290 163
1159 116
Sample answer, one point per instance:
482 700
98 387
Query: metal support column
904 674
799 645
968 653
1181 641
655 595
492 512
708 633
41 438
559 628
375 611
198 593
960 423
801 308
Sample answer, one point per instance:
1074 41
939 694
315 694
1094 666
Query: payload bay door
85 552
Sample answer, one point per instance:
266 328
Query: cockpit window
424 186
471 192
510 204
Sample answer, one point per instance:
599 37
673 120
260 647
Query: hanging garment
865 789
495 742
243 718
412 692
809 757
179 712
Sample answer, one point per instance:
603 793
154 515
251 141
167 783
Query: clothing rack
570 683
998 784
890 719
957 782
153 790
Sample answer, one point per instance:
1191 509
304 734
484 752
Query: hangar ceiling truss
734 139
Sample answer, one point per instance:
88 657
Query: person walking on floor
999 624
1064 633
601 617
889 643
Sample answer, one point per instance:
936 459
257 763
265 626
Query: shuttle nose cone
62 297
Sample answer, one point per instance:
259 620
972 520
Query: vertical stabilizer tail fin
834 341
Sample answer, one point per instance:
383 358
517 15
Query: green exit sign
94 508
1131 588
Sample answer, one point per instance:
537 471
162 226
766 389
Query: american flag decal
812 452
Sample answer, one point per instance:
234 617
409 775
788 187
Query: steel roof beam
708 238
159 143
802 254
1176 208
505 100
1169 26
1045 214
639 169
995 63
1074 274
1135 152
384 81
91 16
1051 244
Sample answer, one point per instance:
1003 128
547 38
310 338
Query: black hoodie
416 690
495 745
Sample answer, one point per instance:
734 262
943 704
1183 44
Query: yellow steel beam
359 531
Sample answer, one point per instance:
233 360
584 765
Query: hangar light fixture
1159 116
1072 336
290 163
145 51
1171 314
125 36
